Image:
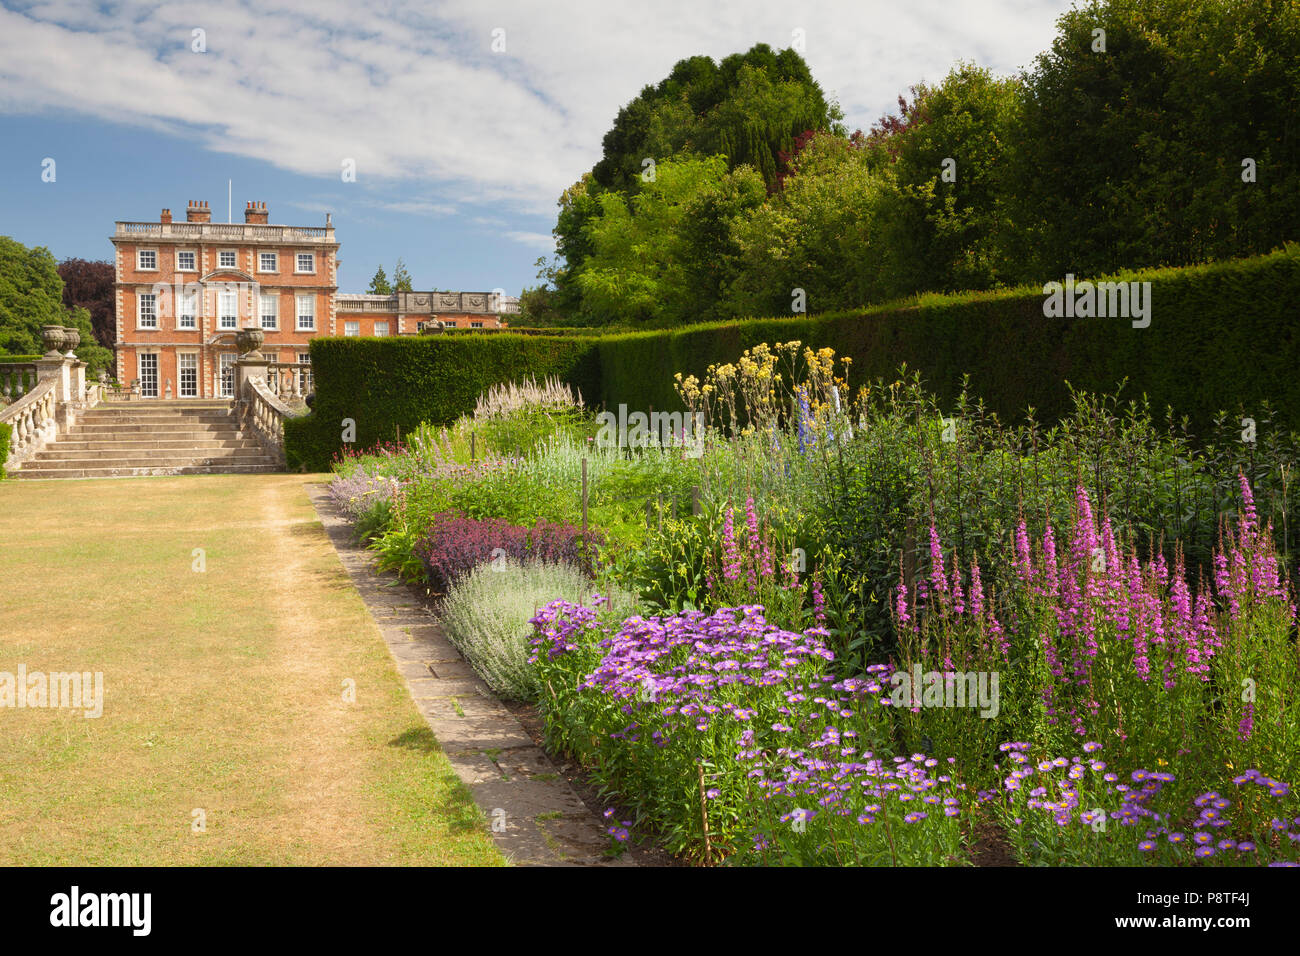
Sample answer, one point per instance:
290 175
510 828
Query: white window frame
274 314
352 330
181 357
140 313
275 262
226 360
187 312
476 325
297 264
381 328
305 381
187 252
231 252
139 260
224 297
299 314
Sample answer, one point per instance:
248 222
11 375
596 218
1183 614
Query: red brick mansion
185 288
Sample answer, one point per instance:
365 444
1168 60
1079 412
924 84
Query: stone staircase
151 437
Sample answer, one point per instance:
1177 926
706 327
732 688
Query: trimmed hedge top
1221 336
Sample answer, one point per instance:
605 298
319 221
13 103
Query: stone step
206 417
58 452
111 443
166 403
166 430
113 471
86 459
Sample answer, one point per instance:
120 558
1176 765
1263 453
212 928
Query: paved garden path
251 711
534 813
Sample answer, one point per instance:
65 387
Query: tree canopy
31 295
1151 132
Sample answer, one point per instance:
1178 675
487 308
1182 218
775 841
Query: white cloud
538 240
413 93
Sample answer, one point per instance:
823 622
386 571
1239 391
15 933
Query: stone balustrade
289 381
34 419
264 391
45 397
16 380
224 231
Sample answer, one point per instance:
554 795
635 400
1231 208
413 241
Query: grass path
223 688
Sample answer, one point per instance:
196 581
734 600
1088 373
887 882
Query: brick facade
184 289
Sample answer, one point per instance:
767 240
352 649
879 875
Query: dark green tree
1133 156
379 285
749 108
31 295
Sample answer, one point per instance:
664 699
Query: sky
463 120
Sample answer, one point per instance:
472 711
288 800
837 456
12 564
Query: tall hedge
1221 336
391 385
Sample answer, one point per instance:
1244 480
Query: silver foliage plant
486 614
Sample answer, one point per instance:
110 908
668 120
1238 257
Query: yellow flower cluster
767 385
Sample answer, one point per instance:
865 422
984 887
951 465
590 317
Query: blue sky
465 118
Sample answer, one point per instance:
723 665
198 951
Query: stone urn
73 340
54 338
249 341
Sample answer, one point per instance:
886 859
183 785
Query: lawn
227 633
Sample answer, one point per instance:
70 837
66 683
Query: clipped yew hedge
388 386
1222 337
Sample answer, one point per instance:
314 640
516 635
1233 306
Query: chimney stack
255 212
198 212
166 216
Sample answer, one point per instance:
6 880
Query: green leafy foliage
388 387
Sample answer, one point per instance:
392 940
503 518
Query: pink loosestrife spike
1024 564
900 605
937 582
730 556
1050 578
1251 520
976 591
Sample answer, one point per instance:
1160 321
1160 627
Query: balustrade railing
16 380
263 414
223 230
34 421
289 381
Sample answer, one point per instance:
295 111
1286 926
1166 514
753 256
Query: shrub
486 615
389 386
6 435
453 544
1220 336
513 419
